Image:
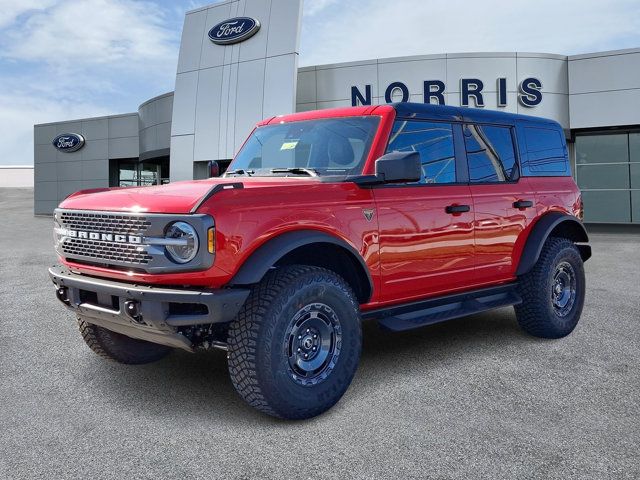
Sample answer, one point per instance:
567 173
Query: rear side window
433 141
546 149
490 153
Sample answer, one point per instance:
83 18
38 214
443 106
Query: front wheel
553 291
295 346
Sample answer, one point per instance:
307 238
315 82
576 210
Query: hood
177 197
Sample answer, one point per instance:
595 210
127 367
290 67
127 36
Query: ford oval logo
234 30
68 142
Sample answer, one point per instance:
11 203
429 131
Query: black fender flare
543 229
268 254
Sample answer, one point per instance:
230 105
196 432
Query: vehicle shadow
473 333
445 344
198 385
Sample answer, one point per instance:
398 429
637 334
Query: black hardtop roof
427 111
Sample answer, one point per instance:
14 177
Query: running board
427 312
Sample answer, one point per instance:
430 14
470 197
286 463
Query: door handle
522 204
457 209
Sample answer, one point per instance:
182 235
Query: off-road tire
120 348
259 364
537 314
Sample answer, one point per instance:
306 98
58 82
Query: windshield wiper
240 171
296 170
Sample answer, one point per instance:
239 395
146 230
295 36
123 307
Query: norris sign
471 90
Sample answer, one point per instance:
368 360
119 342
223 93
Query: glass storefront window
149 174
634 173
634 148
603 176
130 172
606 206
602 149
607 176
127 174
635 206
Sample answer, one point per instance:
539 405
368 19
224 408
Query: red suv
409 214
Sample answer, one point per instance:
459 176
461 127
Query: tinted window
335 146
546 148
490 153
433 141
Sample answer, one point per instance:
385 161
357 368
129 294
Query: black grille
104 222
106 251
101 251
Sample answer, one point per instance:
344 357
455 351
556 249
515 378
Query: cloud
68 59
351 31
87 32
20 112
10 10
313 7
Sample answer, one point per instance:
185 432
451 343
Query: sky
68 59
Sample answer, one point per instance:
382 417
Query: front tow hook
132 309
62 293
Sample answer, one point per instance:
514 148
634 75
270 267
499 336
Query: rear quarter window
547 151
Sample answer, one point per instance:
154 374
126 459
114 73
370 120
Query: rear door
426 228
503 202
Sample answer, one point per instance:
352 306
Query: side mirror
214 169
399 167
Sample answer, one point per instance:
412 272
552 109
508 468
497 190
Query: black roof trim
426 111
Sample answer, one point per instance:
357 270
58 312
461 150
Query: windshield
330 146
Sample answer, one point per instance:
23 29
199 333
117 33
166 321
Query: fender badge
368 213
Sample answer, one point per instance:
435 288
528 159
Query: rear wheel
553 291
120 348
295 345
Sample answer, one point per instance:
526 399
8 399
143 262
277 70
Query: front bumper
145 312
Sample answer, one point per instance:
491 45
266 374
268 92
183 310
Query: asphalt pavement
468 399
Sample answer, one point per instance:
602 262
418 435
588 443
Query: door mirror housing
399 167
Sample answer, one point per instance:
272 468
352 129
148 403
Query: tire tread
533 314
245 331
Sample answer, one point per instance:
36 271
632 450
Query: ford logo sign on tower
234 30
68 142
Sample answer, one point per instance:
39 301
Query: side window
490 153
433 141
546 149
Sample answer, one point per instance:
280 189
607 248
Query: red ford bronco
408 214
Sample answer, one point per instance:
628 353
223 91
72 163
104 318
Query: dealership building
238 64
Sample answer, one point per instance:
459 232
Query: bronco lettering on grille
105 237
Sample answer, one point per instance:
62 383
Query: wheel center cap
307 343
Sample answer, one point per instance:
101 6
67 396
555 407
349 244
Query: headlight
58 232
182 242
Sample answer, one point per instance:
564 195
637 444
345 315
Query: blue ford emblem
234 30
68 142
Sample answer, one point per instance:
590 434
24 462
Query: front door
426 228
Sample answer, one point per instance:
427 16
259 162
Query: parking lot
472 398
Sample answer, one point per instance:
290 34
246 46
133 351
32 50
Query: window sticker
289 145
